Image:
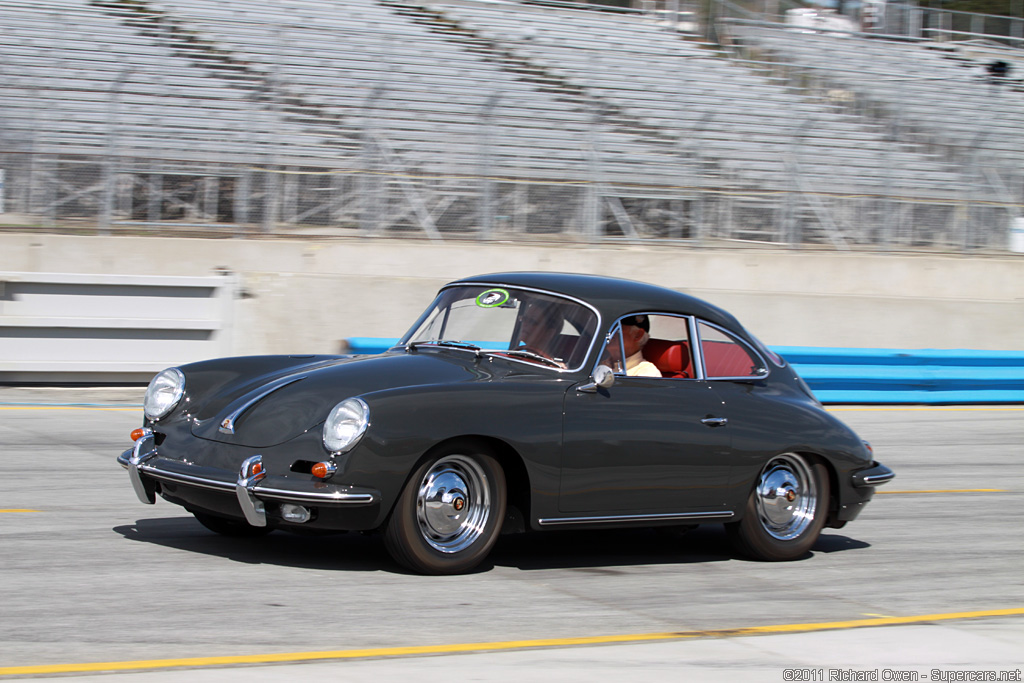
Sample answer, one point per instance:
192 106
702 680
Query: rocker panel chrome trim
681 516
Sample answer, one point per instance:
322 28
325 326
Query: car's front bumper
856 491
248 493
876 475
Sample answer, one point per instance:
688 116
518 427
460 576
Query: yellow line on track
19 510
387 652
944 491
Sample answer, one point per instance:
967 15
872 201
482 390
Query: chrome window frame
699 351
618 323
504 285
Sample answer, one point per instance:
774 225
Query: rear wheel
449 514
786 510
231 527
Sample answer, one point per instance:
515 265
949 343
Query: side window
649 345
669 346
725 356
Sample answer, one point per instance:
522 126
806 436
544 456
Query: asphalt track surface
927 585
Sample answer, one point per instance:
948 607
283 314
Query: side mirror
602 378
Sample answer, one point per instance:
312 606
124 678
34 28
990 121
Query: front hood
286 403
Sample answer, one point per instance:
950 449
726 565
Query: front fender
406 424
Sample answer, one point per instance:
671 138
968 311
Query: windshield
518 324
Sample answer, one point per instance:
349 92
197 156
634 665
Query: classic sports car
517 401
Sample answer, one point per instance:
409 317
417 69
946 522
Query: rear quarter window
725 356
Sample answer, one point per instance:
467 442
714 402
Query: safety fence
475 120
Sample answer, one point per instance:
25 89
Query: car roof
613 297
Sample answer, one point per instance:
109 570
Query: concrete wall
305 296
79 327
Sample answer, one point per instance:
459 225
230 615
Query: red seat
672 358
726 359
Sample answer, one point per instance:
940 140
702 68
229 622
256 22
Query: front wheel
448 516
786 510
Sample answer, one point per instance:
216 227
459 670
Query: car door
645 445
759 424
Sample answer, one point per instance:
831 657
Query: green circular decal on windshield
492 298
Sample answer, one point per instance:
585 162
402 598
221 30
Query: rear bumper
252 495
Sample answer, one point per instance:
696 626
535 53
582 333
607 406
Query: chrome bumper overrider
252 486
143 450
250 474
875 475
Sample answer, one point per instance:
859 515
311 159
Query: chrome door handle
715 421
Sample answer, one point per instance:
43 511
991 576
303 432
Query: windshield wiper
450 343
523 353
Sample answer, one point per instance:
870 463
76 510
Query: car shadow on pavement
602 551
344 552
834 543
606 549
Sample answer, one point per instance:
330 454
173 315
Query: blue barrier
933 376
367 345
889 376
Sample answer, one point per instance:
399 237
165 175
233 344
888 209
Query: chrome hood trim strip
227 425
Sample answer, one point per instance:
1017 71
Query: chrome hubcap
453 504
786 497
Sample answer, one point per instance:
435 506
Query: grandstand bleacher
480 118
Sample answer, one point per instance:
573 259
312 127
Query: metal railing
445 124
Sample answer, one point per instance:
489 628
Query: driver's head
635 333
541 321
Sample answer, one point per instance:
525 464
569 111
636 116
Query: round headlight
346 423
163 393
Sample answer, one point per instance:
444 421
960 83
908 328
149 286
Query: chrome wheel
453 504
786 497
785 510
450 512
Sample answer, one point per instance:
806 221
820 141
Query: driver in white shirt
636 333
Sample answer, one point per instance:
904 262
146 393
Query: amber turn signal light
138 433
256 469
322 470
